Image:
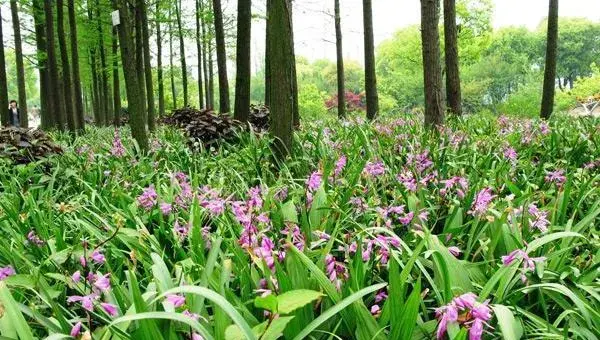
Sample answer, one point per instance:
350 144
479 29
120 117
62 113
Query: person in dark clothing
13 113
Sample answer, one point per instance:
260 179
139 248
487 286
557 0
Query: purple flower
76 277
375 309
454 251
408 180
76 330
181 230
87 301
336 271
255 201
359 204
374 169
110 309
281 194
482 202
473 314
98 257
83 261
421 161
196 336
102 282
166 208
32 238
510 154
465 301
544 128
460 184
540 218
148 198
6 272
557 177
528 262
117 146
175 300
314 181
339 166
191 315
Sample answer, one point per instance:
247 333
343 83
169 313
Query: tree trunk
133 86
340 62
58 101
147 66
184 79
432 71
159 67
23 119
67 90
115 73
5 118
211 73
267 64
96 78
139 54
221 57
370 77
199 49
108 115
47 114
207 88
172 68
242 79
550 68
453 93
279 24
77 93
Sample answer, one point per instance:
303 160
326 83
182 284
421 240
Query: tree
453 94
341 90
208 90
14 9
432 73
370 77
147 66
3 83
77 93
58 106
159 68
242 79
67 90
182 53
199 50
106 105
139 53
133 86
550 66
171 67
221 57
282 71
115 65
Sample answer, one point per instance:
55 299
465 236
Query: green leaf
288 211
511 329
195 325
317 209
275 330
292 300
336 309
539 242
268 302
12 320
410 313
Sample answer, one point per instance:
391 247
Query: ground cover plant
487 228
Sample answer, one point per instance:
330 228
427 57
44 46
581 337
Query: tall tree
47 114
58 101
340 61
221 56
159 66
115 73
139 53
108 115
132 84
432 72
208 90
281 87
96 97
242 79
370 78
267 64
453 93
199 49
171 67
67 90
147 66
211 67
14 9
550 68
4 115
77 93
184 79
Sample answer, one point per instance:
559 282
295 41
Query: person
13 113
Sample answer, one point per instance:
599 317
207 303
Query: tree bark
115 73
47 114
23 119
199 49
77 92
221 57
551 55
159 67
211 73
370 77
340 62
207 94
108 114
96 77
267 64
453 92
184 79
242 79
132 84
58 102
281 87
147 66
139 54
67 90
172 68
5 119
432 72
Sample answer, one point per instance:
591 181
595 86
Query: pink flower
76 277
375 309
557 177
166 208
6 272
102 282
76 330
374 169
197 336
314 181
339 166
32 238
476 330
175 300
181 230
482 202
117 147
540 220
87 301
336 271
191 315
454 251
98 257
83 261
148 198
109 309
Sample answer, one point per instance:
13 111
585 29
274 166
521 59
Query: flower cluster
6 272
557 177
336 271
482 202
459 184
539 219
528 262
466 311
118 150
